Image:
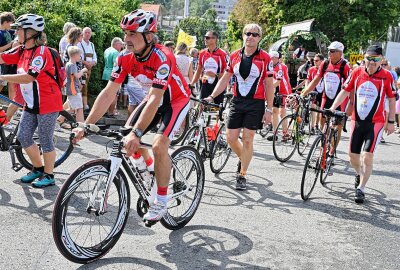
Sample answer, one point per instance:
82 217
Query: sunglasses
373 59
317 60
252 34
208 38
333 51
384 65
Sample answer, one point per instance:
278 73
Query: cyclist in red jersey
282 89
369 85
334 72
253 70
154 66
211 65
41 93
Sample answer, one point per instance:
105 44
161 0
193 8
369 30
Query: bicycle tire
279 145
192 136
63 144
221 150
62 226
329 162
312 166
180 134
176 217
304 136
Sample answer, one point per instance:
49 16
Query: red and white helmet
292 101
140 21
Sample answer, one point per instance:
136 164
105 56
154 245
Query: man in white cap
334 71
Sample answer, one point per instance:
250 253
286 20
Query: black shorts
279 101
246 113
318 100
365 133
171 117
206 90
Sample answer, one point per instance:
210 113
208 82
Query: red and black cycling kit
368 116
248 103
157 70
43 95
214 61
333 81
284 88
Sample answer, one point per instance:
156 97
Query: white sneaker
156 212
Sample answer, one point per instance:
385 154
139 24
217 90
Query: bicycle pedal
149 223
17 167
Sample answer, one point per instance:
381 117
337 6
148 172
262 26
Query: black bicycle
92 207
8 140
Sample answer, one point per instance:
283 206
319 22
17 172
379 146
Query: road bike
298 132
8 139
92 207
209 140
322 152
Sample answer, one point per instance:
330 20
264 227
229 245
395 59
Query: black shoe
239 167
271 138
312 132
357 181
240 182
359 196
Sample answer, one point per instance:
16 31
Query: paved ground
266 227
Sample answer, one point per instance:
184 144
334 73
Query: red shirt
333 80
157 70
214 61
281 73
312 73
251 87
43 95
370 92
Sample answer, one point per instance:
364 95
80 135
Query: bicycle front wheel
284 143
220 152
62 143
329 158
81 233
311 169
185 188
304 134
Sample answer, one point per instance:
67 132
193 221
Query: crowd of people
154 82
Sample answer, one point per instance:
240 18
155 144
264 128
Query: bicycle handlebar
328 112
202 101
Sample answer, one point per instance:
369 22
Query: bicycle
322 153
92 207
9 142
211 142
298 132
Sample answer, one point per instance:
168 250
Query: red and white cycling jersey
157 70
312 73
333 79
251 87
214 61
370 92
281 73
43 95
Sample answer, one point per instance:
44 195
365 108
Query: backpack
341 69
60 75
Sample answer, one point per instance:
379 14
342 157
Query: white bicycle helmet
140 21
32 21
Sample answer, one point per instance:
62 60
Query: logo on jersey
163 71
159 82
271 66
37 64
280 74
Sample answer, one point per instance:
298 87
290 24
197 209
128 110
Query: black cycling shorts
318 100
206 89
246 113
279 101
365 133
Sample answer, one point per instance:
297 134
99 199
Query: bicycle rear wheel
187 183
81 234
220 152
312 169
62 143
284 143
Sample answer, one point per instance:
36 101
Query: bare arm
103 101
190 75
80 73
1 60
339 99
269 91
311 86
276 83
6 47
222 84
17 78
197 75
392 108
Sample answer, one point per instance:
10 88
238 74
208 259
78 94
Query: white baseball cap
336 45
274 54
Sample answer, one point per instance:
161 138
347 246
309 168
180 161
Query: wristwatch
391 122
268 110
138 132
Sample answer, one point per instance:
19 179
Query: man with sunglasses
211 65
369 86
253 70
334 72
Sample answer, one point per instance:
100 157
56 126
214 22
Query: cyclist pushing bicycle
167 100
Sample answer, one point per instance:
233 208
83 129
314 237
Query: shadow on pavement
131 262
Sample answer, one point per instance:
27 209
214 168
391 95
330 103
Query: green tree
199 7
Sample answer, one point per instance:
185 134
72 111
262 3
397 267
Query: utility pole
186 9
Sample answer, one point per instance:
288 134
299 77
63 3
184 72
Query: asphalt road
266 227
